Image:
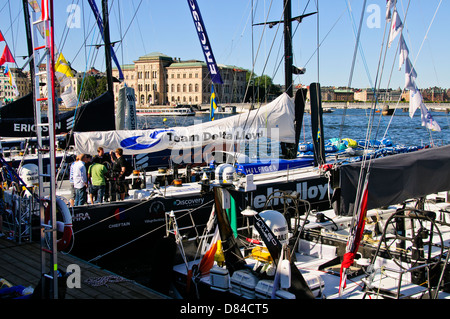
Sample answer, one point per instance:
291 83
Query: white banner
274 120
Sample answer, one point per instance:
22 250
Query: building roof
155 56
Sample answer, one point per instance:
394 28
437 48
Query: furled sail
274 121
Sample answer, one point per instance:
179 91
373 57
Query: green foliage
92 87
261 88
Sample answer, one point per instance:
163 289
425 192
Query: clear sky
146 26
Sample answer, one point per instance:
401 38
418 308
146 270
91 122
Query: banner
100 26
204 42
274 121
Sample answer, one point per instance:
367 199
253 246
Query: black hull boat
101 228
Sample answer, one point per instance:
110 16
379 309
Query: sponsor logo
118 214
189 202
157 208
81 217
136 142
307 192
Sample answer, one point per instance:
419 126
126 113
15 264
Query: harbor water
344 123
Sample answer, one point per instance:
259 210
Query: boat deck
20 264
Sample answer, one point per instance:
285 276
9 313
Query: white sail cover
274 120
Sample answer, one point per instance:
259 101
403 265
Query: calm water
402 129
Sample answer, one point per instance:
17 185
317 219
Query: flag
389 5
206 262
356 234
213 103
63 73
62 70
415 100
6 56
11 80
204 42
410 76
403 52
396 27
45 10
427 119
1 37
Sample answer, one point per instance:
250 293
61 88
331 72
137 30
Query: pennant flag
427 119
206 262
63 73
213 103
62 70
403 52
69 97
389 5
356 234
6 56
34 5
1 37
410 76
10 77
415 100
396 27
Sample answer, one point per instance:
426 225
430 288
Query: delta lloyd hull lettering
313 190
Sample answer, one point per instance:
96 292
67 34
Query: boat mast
26 13
288 48
107 45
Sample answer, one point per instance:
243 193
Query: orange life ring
61 206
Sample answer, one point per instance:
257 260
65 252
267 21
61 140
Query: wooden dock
20 264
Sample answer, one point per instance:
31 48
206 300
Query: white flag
410 76
427 119
404 52
69 97
396 27
415 100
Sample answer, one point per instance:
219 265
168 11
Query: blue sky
167 27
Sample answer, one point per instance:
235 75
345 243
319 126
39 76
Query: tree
92 87
261 88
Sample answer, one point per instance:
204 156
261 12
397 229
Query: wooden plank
20 264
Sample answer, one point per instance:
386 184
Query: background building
161 80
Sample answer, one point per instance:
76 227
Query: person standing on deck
119 167
72 189
80 181
96 175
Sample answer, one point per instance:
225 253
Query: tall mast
288 47
107 45
26 13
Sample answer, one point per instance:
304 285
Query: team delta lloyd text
199 147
